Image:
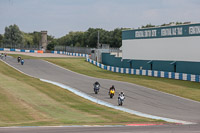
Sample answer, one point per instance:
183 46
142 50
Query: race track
138 98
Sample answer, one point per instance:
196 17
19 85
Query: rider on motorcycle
121 94
111 91
18 59
22 62
112 88
121 98
96 84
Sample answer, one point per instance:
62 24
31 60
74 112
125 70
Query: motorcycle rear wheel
111 96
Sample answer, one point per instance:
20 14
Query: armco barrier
19 50
152 73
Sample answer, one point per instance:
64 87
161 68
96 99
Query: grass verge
27 101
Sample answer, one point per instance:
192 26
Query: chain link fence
83 50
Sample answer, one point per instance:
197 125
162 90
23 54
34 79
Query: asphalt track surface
138 98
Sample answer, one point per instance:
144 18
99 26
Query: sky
59 17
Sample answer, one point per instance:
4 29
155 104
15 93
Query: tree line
15 38
89 38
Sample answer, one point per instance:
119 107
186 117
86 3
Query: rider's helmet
122 92
113 86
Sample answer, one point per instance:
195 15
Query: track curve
139 98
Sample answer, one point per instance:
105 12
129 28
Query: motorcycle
112 93
22 62
121 100
19 59
96 89
2 55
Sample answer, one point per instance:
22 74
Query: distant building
178 43
167 48
44 40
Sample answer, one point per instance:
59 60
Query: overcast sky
59 17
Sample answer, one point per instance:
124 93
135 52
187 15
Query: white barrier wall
178 43
177 48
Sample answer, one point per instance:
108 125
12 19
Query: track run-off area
138 98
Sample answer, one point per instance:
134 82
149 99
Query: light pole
98 40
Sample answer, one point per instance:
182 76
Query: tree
50 38
179 23
1 40
116 38
12 36
148 26
51 44
91 37
36 38
27 39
